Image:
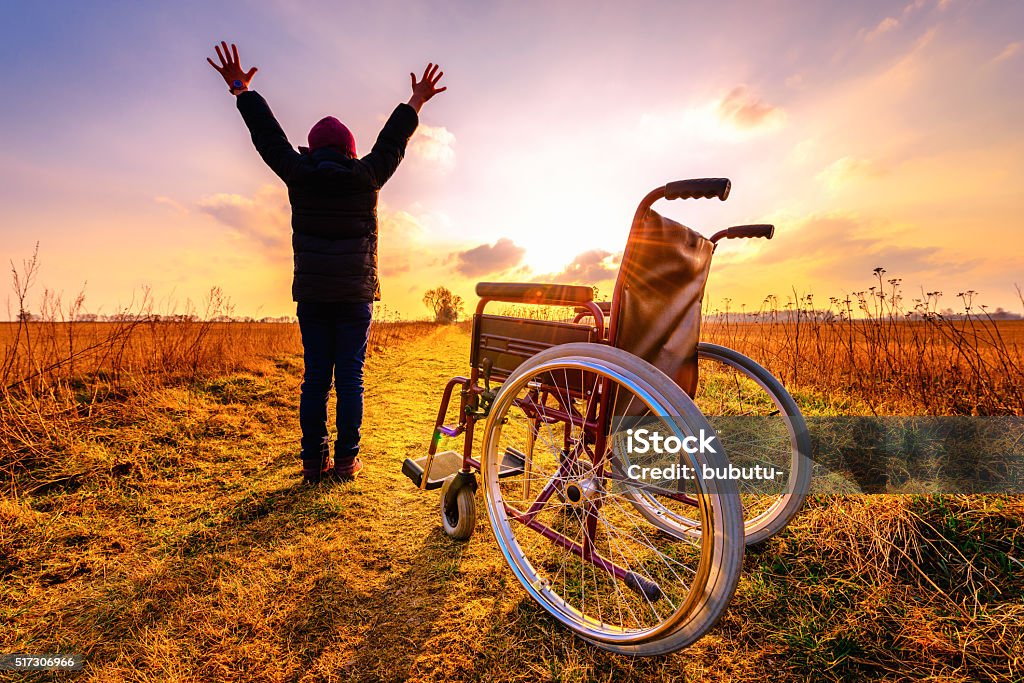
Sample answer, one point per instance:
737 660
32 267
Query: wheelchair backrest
660 289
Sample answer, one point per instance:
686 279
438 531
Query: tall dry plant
869 347
59 364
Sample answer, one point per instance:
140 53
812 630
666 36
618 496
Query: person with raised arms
333 195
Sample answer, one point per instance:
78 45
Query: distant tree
446 306
1002 314
25 317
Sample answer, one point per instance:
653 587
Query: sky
872 134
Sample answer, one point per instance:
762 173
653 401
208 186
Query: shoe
348 471
314 476
315 469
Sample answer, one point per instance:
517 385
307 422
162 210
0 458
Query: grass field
159 529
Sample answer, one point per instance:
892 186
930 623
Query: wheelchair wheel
758 423
564 520
458 508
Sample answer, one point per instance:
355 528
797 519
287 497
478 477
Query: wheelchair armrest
584 312
534 293
604 306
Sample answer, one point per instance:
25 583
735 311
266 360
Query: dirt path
357 581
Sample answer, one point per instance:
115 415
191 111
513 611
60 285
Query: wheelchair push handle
699 188
740 231
694 188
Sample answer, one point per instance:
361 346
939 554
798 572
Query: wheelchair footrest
448 463
444 465
512 463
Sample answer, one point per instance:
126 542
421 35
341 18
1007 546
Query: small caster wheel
458 506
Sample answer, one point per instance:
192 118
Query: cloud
892 23
841 249
434 144
913 7
263 219
884 26
400 235
173 203
587 268
745 110
848 169
1008 52
488 258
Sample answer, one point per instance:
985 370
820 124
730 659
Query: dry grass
152 517
184 550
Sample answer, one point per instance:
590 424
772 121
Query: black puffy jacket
334 203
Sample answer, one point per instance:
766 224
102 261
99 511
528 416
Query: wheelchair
636 548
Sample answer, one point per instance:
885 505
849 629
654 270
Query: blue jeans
334 338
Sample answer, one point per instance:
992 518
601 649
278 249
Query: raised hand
426 87
231 69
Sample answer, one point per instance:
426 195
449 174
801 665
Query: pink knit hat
330 132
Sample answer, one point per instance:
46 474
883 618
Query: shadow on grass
296 583
523 641
377 630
